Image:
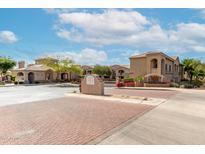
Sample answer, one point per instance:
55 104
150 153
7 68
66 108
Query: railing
154 70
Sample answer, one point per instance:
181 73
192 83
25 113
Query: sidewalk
120 99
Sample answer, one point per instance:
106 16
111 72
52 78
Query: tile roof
121 65
173 58
146 53
34 67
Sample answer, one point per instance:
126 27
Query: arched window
154 63
19 74
121 72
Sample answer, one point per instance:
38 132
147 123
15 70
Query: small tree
61 66
52 63
70 66
102 70
5 65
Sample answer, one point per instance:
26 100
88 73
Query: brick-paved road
63 120
143 92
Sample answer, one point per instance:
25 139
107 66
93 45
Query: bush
128 79
2 83
174 84
16 82
193 84
139 78
197 83
13 78
187 85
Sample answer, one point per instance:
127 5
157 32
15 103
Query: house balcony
154 71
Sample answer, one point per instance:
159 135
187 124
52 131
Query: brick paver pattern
63 121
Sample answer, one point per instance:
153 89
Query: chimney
21 64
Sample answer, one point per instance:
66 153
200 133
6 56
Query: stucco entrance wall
92 85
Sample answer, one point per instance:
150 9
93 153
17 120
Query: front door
31 77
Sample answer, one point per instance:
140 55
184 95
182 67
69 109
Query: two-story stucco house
156 67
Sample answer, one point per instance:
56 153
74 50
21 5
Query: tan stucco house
39 73
120 71
156 67
87 69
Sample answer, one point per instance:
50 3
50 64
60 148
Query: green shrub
16 82
13 78
193 84
139 78
1 83
128 79
197 83
186 84
174 84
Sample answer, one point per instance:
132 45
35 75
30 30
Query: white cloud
190 37
8 37
85 56
59 10
201 13
129 28
63 34
102 28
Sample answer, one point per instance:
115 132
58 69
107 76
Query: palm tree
199 72
194 68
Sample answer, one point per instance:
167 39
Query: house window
170 68
166 67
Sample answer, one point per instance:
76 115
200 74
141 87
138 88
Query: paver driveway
63 120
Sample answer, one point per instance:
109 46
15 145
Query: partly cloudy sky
101 36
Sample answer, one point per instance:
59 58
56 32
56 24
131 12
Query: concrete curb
136 100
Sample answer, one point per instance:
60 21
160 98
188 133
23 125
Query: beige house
120 71
87 69
38 73
156 67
